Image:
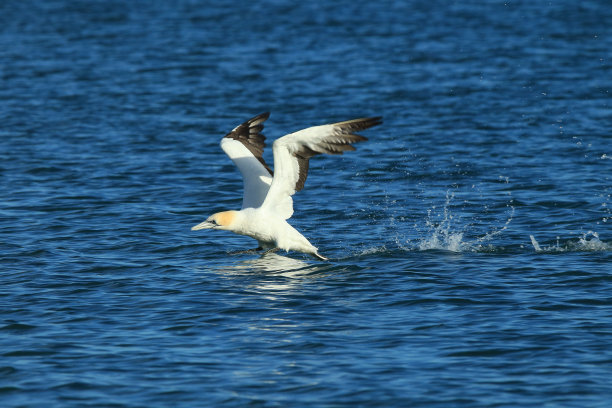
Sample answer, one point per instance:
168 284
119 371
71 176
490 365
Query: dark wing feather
249 134
337 142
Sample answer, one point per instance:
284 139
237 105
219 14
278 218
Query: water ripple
469 237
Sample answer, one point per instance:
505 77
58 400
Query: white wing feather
292 152
256 178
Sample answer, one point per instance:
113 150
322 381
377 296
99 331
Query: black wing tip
354 125
376 120
256 122
370 122
262 116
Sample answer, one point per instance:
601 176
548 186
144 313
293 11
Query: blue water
470 237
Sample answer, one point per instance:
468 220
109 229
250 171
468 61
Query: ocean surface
470 238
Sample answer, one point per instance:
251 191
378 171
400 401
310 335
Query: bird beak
203 225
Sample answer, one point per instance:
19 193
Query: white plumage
267 202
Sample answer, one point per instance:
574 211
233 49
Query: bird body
267 201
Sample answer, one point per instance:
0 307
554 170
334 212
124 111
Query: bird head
221 220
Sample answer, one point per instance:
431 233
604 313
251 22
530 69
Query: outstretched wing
244 145
292 152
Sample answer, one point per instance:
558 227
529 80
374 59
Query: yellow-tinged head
221 220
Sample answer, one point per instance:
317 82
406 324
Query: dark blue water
471 236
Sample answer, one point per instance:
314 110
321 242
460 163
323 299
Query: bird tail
319 256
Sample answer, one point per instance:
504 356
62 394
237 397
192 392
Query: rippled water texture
470 237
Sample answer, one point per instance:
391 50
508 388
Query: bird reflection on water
274 272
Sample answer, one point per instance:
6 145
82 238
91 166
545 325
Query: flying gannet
267 202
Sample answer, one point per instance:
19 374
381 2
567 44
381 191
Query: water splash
535 244
588 242
444 235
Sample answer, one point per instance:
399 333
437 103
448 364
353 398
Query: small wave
373 250
589 242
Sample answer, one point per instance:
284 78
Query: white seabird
267 202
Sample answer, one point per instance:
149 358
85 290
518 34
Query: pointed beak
203 225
